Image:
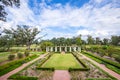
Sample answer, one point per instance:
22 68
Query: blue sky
67 18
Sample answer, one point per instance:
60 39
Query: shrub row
14 64
104 60
78 69
74 54
16 77
45 59
42 68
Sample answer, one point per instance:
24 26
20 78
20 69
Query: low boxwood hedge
50 69
78 69
74 54
16 77
44 60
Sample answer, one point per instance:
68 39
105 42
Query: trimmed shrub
50 69
11 57
19 55
26 53
15 77
78 69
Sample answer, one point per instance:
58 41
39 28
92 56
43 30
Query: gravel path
103 67
61 75
4 77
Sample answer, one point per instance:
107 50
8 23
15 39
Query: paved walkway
61 75
104 68
4 77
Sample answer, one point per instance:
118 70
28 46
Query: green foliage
17 77
14 64
19 55
117 70
117 58
11 57
6 42
110 64
44 44
26 53
44 68
23 35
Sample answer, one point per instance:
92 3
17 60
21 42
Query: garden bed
93 74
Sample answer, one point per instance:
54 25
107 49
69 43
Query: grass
62 61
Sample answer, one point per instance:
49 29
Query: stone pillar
79 49
60 48
65 49
55 49
47 49
51 49
74 48
70 49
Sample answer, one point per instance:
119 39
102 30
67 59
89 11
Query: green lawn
62 61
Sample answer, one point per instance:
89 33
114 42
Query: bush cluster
11 57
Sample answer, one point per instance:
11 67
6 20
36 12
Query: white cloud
97 20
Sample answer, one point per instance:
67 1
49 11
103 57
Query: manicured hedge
86 68
16 77
79 60
44 60
14 64
42 68
78 69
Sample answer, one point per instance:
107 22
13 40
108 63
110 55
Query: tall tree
78 40
98 41
3 4
105 41
24 35
90 40
6 42
115 40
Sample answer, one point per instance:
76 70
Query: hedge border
79 69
